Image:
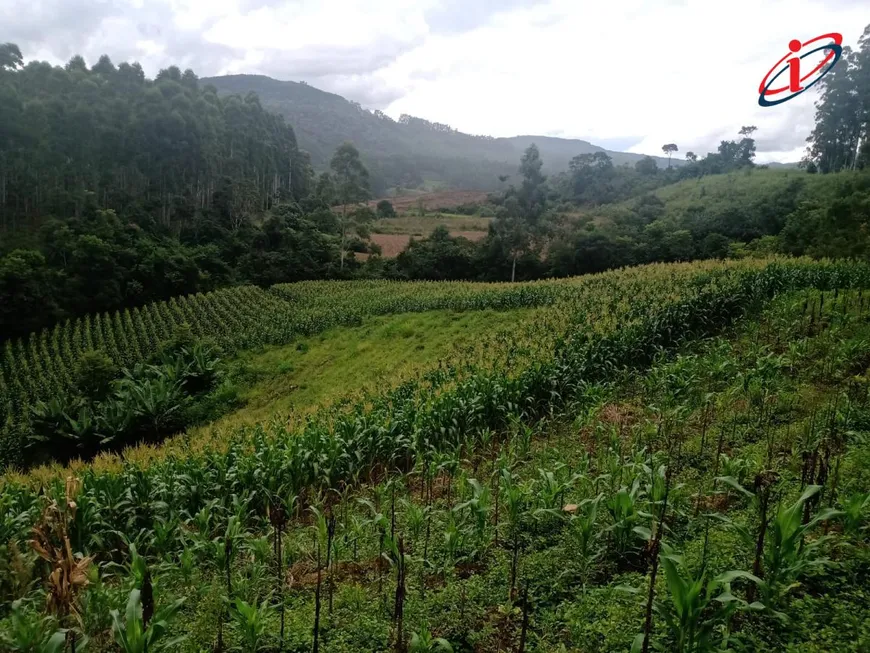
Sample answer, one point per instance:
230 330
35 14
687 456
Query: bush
385 209
95 374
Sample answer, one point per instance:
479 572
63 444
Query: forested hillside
407 152
105 136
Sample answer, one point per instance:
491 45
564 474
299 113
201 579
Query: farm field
433 201
672 457
393 244
344 362
392 235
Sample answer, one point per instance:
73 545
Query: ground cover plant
679 465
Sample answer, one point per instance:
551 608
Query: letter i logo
794 68
828 48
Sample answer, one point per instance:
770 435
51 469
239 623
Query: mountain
410 152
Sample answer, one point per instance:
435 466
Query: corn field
452 452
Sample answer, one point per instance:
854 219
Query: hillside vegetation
743 212
404 153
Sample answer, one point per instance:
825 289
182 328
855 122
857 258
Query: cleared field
423 225
434 201
394 244
351 361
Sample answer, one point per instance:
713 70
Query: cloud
635 72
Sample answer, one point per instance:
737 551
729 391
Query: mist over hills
409 152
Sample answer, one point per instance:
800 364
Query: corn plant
477 508
788 555
698 611
31 634
250 622
425 642
856 514
140 632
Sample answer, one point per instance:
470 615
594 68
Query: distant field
394 234
394 244
434 201
423 225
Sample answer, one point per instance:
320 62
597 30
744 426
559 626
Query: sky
629 75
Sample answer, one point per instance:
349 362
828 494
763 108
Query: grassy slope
322 369
758 190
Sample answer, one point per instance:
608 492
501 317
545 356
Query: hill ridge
409 152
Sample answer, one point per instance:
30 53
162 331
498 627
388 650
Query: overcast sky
626 74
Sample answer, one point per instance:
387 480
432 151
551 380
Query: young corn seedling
425 642
141 632
31 634
250 622
697 611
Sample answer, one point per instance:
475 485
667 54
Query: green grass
330 366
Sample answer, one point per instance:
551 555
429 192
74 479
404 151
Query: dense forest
117 190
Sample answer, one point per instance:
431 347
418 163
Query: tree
385 209
518 222
669 149
843 112
591 176
646 166
512 232
691 157
94 374
748 131
10 57
531 195
352 187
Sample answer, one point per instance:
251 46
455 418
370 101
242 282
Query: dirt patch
303 574
391 244
394 244
473 236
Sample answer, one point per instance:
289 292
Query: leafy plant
855 514
140 632
697 609
788 554
31 634
424 642
251 622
